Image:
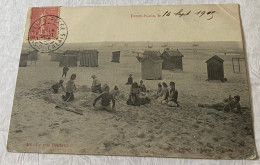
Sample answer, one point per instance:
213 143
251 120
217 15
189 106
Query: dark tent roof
89 51
154 55
174 53
215 57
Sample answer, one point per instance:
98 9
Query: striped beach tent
89 58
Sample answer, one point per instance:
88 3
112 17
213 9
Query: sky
131 23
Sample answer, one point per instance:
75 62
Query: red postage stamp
48 31
48 28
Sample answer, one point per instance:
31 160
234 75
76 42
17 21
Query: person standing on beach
70 89
106 98
65 71
96 85
130 80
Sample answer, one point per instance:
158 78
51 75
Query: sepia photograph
150 81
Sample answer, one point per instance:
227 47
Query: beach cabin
23 58
215 68
55 56
172 59
115 56
33 55
68 60
72 53
89 58
151 65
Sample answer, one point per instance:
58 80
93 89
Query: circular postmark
48 33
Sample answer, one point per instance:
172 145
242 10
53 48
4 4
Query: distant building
215 68
55 56
23 58
89 58
33 55
68 60
116 56
151 65
172 59
72 53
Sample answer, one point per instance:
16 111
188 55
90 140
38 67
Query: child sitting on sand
57 86
135 98
228 104
115 92
96 85
173 96
70 89
130 80
142 87
164 94
106 98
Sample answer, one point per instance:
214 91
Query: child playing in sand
164 94
142 87
130 80
65 71
57 86
228 104
135 98
96 85
173 96
70 89
106 98
115 92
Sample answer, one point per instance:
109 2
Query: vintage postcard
159 81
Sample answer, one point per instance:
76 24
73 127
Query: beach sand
149 130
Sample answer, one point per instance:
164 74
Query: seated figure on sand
70 89
173 96
164 94
96 85
142 86
129 80
135 96
106 98
228 104
115 92
57 86
158 92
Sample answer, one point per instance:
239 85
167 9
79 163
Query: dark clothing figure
106 98
68 97
142 88
57 86
134 97
65 70
96 85
96 88
130 80
173 97
70 89
229 104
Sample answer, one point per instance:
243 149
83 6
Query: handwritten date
201 13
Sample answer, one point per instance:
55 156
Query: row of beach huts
152 61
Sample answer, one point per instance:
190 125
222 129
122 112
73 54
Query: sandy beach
149 130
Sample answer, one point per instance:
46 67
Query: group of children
167 96
137 96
